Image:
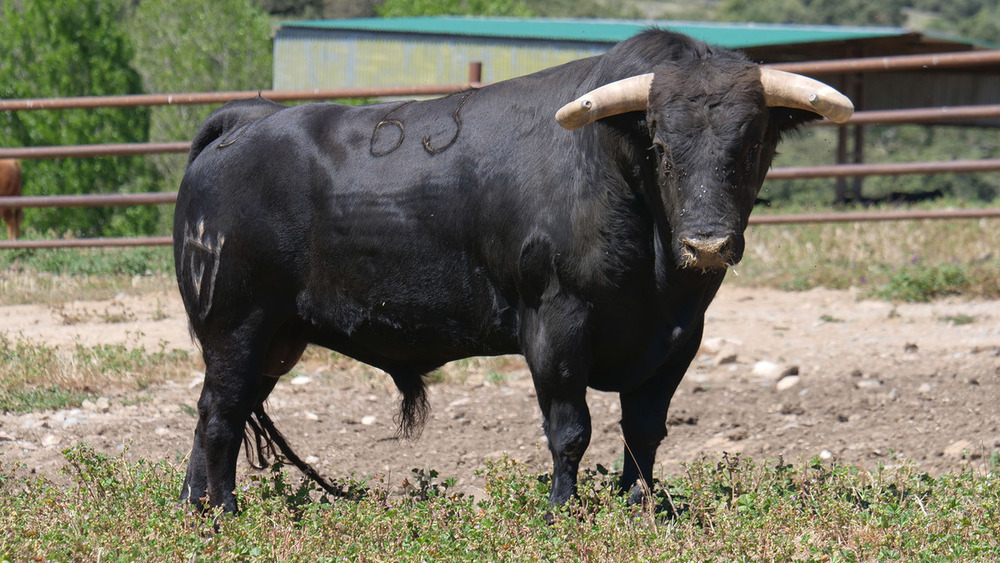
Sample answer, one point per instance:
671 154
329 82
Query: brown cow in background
10 184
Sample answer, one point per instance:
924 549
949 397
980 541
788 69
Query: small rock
311 416
715 345
792 409
368 420
868 384
725 357
87 405
738 434
197 378
161 431
312 459
787 382
958 449
460 402
50 440
925 388
826 455
301 380
103 404
766 369
789 371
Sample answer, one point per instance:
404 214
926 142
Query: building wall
317 58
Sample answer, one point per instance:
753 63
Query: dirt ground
795 375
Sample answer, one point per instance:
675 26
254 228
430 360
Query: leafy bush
74 48
917 283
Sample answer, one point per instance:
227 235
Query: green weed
726 509
36 376
923 283
959 320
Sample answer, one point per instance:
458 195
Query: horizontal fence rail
135 149
88 151
894 63
887 169
89 200
85 243
869 216
798 218
202 98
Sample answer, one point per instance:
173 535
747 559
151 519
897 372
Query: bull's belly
390 333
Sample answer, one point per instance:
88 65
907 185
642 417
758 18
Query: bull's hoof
640 495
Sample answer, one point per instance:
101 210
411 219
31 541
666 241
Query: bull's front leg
644 426
553 339
644 419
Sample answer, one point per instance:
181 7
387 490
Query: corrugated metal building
437 50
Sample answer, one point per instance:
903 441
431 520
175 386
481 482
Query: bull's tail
262 446
413 411
229 117
262 441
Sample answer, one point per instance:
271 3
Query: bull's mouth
708 253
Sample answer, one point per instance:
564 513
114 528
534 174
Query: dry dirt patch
782 375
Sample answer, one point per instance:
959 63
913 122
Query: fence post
475 72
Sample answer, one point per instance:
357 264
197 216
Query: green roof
730 35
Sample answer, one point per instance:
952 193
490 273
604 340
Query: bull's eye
663 158
752 156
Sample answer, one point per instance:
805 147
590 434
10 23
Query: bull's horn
785 89
782 89
623 96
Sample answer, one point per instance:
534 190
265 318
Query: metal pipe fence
875 64
876 117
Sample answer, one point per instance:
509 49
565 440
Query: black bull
410 234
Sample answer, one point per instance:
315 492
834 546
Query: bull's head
714 126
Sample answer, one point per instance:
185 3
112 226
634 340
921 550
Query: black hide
410 234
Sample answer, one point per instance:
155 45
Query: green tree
54 48
197 46
829 12
405 8
969 19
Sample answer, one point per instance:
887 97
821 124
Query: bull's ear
787 120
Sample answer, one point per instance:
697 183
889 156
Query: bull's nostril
707 253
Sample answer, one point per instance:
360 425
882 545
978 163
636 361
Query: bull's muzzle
708 253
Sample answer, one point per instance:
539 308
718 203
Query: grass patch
909 261
91 262
60 275
36 376
729 509
894 260
916 284
959 320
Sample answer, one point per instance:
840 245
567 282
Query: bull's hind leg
240 372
